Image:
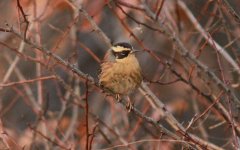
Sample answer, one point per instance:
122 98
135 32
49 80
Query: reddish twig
139 22
231 10
113 131
93 135
65 33
24 17
159 9
95 27
20 54
7 142
207 110
129 5
47 138
27 81
191 70
165 83
9 106
89 51
139 122
86 115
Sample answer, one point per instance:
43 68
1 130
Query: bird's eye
124 53
121 55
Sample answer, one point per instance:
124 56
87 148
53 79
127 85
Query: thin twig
24 17
47 138
231 10
95 27
16 59
86 115
124 3
93 135
139 22
209 107
113 131
89 51
26 87
159 9
27 81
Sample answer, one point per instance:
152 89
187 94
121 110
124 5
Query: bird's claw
118 98
129 106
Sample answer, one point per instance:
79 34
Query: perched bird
120 71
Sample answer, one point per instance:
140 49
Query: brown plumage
120 70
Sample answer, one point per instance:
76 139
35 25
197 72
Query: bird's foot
118 98
129 106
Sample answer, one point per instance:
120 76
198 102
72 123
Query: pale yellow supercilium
120 49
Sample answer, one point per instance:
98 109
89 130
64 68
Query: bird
120 72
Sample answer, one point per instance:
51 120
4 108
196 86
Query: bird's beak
134 51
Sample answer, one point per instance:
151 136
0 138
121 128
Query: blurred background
44 105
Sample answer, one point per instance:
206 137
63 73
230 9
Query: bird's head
122 50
